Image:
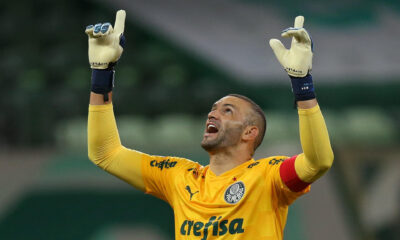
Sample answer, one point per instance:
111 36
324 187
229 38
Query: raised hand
297 61
105 42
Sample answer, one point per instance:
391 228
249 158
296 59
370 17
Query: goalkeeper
235 196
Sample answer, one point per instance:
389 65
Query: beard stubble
226 138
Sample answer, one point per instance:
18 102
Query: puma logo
190 192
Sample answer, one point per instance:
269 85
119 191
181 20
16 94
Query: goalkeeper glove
105 48
297 61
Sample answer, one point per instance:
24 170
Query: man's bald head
255 118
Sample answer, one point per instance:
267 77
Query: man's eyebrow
229 105
225 105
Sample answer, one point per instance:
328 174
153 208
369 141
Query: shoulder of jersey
189 167
189 163
273 160
181 161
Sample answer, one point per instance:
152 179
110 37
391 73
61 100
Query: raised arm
317 156
104 146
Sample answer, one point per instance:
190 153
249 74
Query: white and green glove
105 48
105 42
297 61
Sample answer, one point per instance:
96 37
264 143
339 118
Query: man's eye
228 110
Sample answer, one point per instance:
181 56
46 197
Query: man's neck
227 159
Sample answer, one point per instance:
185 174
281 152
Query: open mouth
211 128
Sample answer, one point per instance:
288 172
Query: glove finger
96 30
304 37
89 30
119 24
300 34
298 22
106 28
290 32
278 48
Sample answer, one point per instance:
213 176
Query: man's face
225 123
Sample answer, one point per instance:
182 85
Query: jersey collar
231 172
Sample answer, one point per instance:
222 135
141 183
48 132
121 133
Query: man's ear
250 133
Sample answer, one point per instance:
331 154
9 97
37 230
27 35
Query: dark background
164 88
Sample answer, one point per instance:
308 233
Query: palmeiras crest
234 192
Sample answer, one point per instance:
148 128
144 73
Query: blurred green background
181 57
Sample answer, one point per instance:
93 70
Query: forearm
317 156
103 138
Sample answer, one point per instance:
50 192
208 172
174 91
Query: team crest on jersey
234 192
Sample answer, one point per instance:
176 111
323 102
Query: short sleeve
159 175
285 180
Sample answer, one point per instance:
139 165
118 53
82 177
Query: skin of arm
317 156
98 99
104 146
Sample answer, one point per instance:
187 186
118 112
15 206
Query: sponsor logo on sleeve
275 161
253 164
166 163
234 192
215 227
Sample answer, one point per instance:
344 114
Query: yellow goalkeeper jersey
248 202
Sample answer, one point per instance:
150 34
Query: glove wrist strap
103 81
303 88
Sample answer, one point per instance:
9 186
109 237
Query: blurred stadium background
181 56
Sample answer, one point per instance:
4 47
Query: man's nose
212 115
